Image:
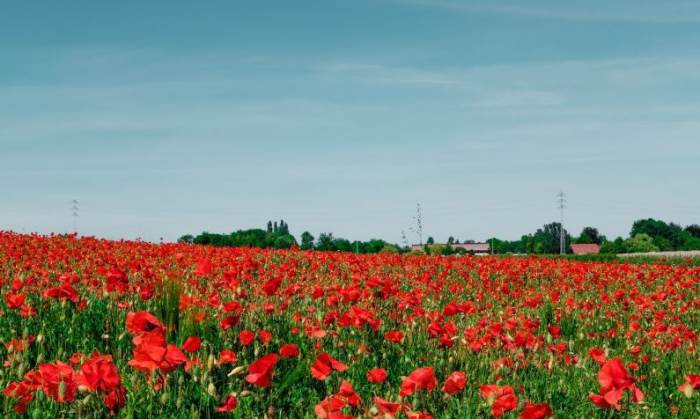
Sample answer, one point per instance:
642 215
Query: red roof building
585 248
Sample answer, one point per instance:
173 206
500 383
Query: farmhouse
475 248
585 249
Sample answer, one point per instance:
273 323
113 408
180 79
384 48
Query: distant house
585 249
475 248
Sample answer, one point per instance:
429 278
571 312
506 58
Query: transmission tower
562 239
418 218
74 214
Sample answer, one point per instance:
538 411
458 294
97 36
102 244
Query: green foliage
656 228
640 243
307 241
187 238
590 235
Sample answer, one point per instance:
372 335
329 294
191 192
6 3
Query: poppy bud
211 360
39 338
165 398
62 390
237 370
211 389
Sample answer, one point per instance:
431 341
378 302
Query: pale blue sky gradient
167 117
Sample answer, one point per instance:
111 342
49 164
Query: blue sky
167 117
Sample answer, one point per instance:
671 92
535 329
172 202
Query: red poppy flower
15 301
265 337
324 366
395 336
229 404
98 373
192 344
454 383
348 393
261 371
614 381
598 355
330 407
289 350
386 407
246 337
376 375
502 399
692 382
141 322
270 287
227 357
58 381
536 411
149 352
419 379
204 268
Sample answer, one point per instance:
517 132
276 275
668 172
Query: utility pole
562 238
74 214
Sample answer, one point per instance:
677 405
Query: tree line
277 236
646 235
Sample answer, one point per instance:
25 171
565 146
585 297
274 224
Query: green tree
547 239
325 242
657 228
590 235
613 247
284 241
307 241
693 230
641 242
430 241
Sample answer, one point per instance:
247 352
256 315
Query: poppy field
93 328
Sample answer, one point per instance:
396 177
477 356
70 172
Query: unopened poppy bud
61 390
181 381
211 389
211 361
236 371
39 338
165 398
105 336
244 393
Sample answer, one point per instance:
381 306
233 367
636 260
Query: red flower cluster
60 382
614 381
152 353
